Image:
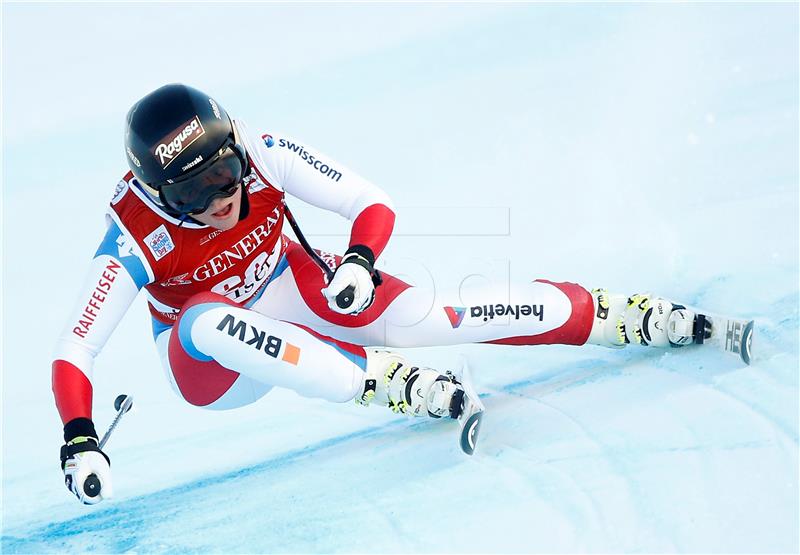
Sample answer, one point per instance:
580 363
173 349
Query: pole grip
346 297
91 486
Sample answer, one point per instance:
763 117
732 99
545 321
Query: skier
238 308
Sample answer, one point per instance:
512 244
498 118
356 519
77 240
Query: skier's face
223 213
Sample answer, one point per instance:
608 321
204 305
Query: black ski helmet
173 135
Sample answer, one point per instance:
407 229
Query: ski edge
471 416
747 342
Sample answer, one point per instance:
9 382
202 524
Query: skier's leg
206 384
405 316
540 312
222 355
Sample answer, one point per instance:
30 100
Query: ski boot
390 381
647 320
641 319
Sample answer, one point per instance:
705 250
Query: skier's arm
320 181
115 276
315 178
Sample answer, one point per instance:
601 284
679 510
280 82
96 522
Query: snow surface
631 146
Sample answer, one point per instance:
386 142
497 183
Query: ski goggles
193 194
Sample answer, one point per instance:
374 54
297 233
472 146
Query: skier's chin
222 215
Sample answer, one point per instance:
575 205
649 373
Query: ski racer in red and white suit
254 265
238 308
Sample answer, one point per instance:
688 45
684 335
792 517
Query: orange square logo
291 354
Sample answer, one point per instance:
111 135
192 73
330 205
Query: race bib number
242 287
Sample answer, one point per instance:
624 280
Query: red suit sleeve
372 228
72 390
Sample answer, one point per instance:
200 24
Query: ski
471 411
727 334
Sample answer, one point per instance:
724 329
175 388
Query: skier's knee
206 297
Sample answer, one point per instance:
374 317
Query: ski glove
81 458
353 282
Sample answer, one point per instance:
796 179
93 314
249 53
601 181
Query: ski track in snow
533 452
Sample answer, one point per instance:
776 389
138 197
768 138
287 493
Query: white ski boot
391 381
648 320
641 319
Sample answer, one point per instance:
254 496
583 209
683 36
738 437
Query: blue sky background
629 145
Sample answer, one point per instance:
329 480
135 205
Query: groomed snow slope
627 146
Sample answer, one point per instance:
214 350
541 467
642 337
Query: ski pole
123 403
343 299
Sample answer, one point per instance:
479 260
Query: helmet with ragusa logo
172 134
